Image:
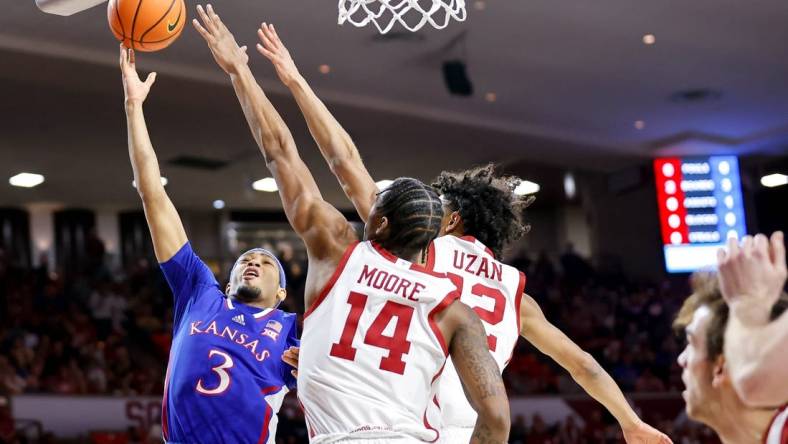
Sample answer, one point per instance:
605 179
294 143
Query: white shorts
368 438
456 435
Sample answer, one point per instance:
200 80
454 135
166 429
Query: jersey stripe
330 284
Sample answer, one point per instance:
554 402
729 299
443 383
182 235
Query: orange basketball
146 25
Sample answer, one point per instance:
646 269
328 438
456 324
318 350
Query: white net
411 14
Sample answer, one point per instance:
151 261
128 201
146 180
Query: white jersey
778 429
371 351
494 291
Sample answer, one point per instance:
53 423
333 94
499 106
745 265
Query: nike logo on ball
171 26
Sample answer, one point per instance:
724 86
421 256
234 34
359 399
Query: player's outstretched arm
586 371
325 231
752 277
334 142
164 223
479 374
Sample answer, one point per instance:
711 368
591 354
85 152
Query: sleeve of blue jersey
186 274
292 341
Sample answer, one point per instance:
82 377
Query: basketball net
384 14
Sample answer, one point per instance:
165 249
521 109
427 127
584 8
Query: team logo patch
272 329
239 319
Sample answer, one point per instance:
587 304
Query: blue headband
282 280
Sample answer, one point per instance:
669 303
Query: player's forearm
601 386
491 430
147 176
267 126
756 359
334 142
337 148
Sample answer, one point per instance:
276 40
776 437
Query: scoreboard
700 207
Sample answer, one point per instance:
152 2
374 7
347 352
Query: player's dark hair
490 210
414 212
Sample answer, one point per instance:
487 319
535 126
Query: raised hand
752 276
645 434
228 55
290 356
274 50
135 89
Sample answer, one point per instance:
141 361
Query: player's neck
260 304
739 424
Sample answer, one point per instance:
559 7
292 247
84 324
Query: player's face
255 273
697 370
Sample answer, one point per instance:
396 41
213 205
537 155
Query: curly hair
490 210
414 211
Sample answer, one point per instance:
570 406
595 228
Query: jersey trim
389 256
268 413
165 429
435 401
518 298
431 256
330 284
473 240
451 297
782 434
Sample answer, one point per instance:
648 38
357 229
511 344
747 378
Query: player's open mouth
248 274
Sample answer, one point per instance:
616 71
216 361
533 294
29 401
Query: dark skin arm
324 230
478 372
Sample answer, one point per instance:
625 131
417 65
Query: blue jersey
225 378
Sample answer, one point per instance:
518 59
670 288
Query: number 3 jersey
371 350
494 291
225 378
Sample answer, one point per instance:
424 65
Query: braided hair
414 212
490 210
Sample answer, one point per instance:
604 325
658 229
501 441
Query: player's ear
719 372
382 229
281 294
227 289
454 224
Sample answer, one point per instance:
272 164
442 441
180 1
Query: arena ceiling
570 79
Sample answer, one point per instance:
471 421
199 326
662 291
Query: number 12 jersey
494 291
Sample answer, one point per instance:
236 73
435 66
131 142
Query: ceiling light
639 124
324 69
527 187
490 97
774 180
383 184
218 204
26 180
649 39
268 185
480 5
164 182
570 188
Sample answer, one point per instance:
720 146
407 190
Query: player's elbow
275 145
151 194
585 367
342 161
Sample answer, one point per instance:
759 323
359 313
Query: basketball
149 25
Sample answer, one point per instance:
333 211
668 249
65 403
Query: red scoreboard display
700 207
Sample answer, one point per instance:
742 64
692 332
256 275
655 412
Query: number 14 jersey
371 350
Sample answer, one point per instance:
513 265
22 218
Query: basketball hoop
384 14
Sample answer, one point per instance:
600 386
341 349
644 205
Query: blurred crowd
92 330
